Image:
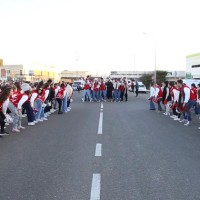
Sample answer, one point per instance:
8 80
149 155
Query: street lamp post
155 54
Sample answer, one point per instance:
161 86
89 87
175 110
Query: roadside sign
188 75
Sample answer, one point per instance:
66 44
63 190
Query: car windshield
141 86
76 83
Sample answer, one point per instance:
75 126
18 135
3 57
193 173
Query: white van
189 82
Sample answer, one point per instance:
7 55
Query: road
138 155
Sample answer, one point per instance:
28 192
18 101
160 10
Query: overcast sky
99 35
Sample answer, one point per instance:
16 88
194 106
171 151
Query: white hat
25 87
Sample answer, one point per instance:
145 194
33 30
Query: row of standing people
38 101
178 100
99 90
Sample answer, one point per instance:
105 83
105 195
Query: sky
99 35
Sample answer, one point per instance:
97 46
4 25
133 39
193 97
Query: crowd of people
36 101
98 90
177 99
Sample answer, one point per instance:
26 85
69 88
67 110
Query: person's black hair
18 86
193 85
171 84
180 81
166 83
62 85
46 85
5 94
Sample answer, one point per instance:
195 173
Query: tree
146 79
161 76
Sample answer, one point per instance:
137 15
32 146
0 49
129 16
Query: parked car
142 87
78 83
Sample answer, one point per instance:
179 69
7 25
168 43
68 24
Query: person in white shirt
152 96
69 91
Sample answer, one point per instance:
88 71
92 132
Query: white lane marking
96 187
98 150
100 123
101 105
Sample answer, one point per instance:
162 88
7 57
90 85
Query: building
175 75
1 62
71 76
36 73
129 74
193 66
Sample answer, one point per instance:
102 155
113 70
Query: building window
8 71
195 66
20 72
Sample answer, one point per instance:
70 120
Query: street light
154 52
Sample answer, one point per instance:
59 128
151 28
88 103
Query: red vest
1 106
95 87
39 96
15 98
121 88
86 86
193 94
102 87
171 92
60 94
160 93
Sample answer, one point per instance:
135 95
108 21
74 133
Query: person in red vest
95 88
102 92
15 106
86 91
158 96
60 94
122 89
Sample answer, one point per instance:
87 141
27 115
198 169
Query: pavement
141 155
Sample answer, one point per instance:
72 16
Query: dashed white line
100 123
96 187
98 150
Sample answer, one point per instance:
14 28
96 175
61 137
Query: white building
175 75
128 74
193 66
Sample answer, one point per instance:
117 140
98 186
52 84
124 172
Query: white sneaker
48 113
35 122
15 130
187 124
199 128
44 118
69 108
39 120
177 119
183 120
52 110
21 127
31 124
165 113
7 124
173 116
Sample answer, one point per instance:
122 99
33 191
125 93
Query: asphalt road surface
109 151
